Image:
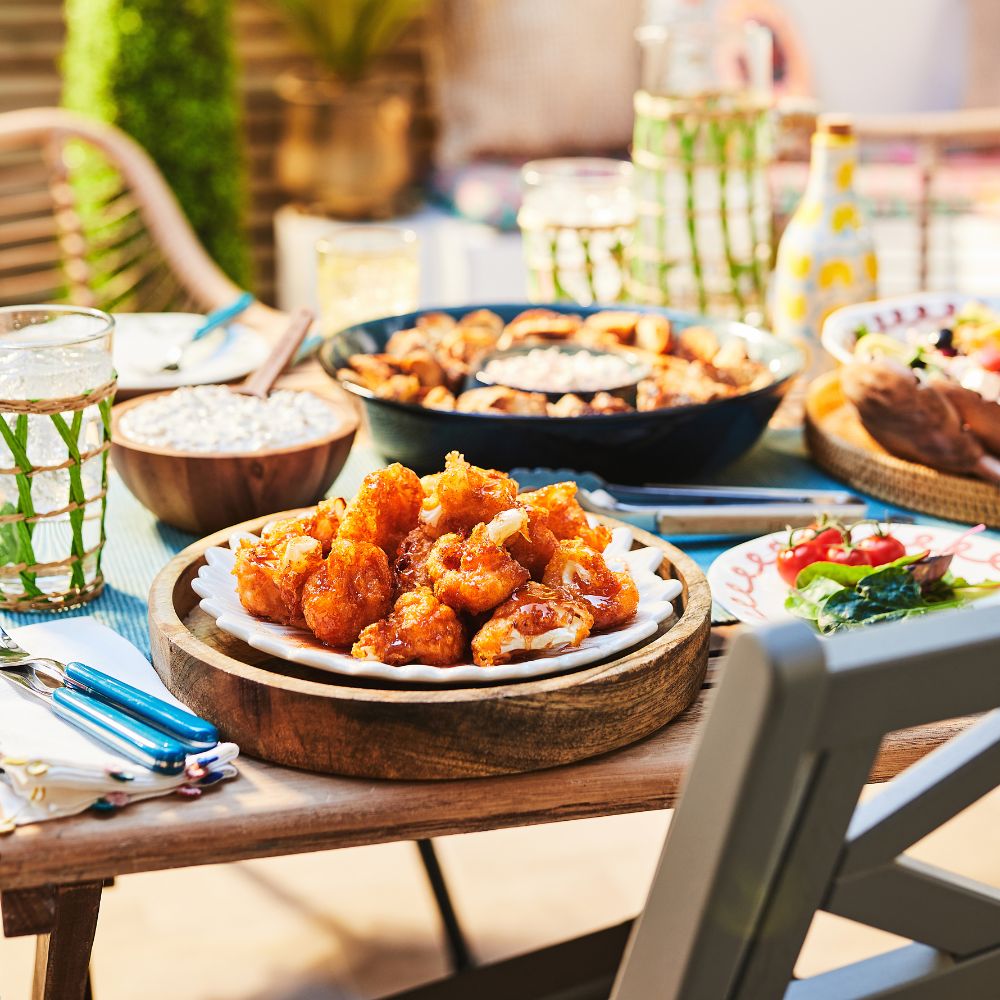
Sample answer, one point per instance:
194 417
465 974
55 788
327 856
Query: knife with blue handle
175 355
119 731
220 317
192 732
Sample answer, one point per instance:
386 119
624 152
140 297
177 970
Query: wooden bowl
369 728
205 491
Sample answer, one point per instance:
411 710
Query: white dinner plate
894 317
216 586
746 582
141 341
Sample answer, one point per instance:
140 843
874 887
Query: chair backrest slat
924 797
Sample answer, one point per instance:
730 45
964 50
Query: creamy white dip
211 418
549 369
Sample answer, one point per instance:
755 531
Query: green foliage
164 72
346 35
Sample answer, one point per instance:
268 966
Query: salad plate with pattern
836 577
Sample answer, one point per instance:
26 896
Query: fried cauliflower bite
566 518
270 576
418 629
409 571
350 590
385 509
463 496
477 573
535 545
611 596
321 523
536 619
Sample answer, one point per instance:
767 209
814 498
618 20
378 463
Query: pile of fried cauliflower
420 570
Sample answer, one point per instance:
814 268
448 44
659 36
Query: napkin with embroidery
51 769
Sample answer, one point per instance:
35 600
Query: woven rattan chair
769 830
133 251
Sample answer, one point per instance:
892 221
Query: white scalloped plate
216 586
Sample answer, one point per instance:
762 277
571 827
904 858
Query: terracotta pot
345 148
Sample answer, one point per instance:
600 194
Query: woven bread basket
841 446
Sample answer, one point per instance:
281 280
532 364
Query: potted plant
346 142
165 72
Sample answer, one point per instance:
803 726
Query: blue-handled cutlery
137 725
174 356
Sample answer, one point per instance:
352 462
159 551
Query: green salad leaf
833 597
847 576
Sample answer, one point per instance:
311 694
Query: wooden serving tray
840 445
307 718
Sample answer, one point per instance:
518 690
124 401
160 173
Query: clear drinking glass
57 385
364 272
576 222
700 149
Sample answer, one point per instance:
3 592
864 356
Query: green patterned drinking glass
57 384
700 148
576 222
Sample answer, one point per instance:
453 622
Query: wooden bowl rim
695 617
343 408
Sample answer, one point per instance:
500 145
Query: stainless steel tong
720 510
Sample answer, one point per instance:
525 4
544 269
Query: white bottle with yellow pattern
825 258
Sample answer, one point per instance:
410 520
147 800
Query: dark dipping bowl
667 445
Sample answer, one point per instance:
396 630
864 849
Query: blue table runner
139 546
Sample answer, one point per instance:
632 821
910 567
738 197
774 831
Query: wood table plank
272 810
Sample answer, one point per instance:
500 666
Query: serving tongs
720 510
132 723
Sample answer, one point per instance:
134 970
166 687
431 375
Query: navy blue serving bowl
666 445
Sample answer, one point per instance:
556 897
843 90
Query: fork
131 722
174 354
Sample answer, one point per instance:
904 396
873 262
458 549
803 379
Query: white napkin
50 768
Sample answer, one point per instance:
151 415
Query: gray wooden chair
769 830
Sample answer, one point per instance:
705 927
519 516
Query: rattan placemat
842 447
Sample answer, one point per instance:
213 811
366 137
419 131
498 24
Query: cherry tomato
794 558
846 555
882 549
829 536
988 357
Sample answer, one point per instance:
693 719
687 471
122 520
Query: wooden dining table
52 874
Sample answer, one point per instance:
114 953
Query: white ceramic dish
893 316
141 340
216 586
745 579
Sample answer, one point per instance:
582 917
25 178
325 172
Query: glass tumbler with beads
576 221
700 148
57 384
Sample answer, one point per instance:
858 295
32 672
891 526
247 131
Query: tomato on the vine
846 555
882 549
829 536
792 559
